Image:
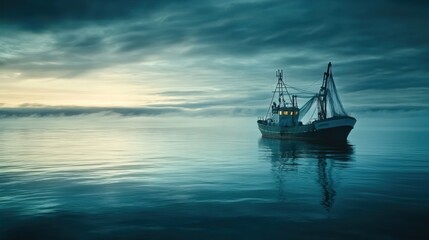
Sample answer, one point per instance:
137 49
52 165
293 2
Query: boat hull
328 130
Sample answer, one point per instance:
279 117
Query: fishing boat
283 120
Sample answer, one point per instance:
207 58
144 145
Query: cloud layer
199 54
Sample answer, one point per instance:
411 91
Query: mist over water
164 177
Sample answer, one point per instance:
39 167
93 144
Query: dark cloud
88 43
44 14
184 93
59 111
33 105
389 109
66 111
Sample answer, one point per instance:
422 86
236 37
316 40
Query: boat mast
323 93
280 84
280 90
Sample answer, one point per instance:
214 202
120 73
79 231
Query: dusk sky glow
155 57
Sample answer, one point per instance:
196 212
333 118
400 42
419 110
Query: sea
168 177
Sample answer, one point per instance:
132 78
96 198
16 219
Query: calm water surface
201 178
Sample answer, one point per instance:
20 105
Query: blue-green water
200 178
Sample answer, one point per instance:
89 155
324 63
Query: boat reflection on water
311 159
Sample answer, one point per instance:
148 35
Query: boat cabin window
286 113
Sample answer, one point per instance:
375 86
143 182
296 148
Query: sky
194 57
